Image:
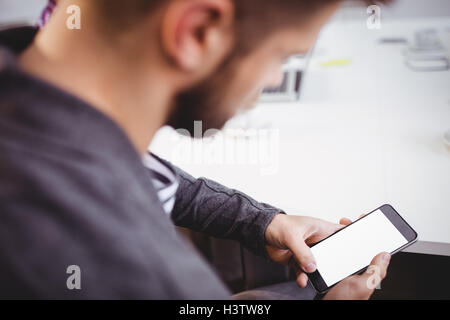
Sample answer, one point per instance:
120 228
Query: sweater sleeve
209 207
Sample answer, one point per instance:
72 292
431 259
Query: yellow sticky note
336 62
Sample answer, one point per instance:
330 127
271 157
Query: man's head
217 55
263 37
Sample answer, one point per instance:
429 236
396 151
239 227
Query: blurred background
362 120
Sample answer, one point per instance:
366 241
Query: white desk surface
364 134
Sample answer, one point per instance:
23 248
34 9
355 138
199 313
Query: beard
205 102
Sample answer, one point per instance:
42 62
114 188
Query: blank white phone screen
353 248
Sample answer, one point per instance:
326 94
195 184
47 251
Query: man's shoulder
39 161
57 179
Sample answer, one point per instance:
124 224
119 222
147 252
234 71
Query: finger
323 229
299 274
376 271
302 253
345 221
382 261
302 280
362 286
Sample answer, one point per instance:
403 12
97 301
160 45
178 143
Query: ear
197 34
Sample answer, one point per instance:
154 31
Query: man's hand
288 239
361 287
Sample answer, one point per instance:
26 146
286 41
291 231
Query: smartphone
351 249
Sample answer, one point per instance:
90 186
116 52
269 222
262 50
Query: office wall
20 11
399 9
419 8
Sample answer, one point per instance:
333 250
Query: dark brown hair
254 19
126 12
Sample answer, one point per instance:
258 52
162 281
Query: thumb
302 254
377 270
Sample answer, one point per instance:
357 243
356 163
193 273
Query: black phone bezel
394 217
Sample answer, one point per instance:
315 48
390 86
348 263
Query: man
78 109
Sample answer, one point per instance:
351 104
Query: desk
364 134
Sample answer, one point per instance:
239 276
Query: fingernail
311 267
386 258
